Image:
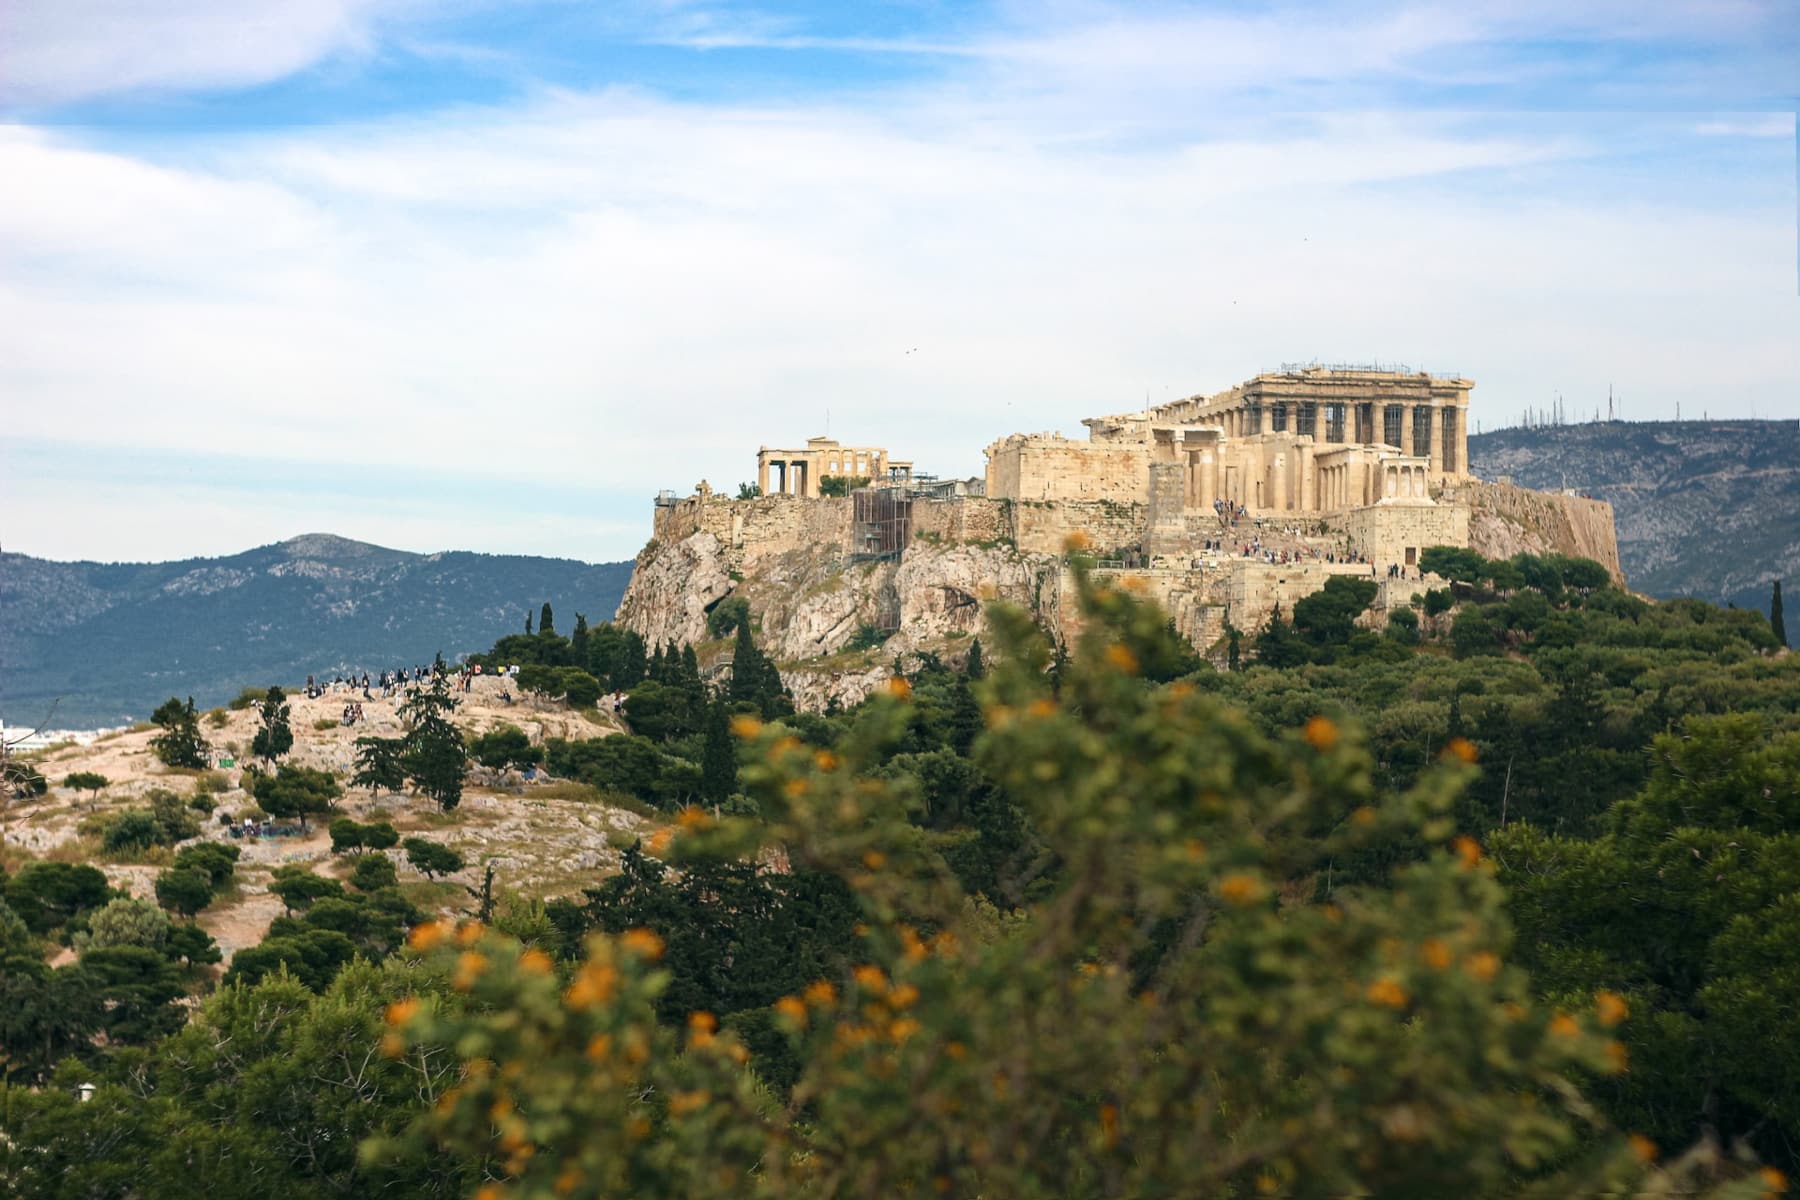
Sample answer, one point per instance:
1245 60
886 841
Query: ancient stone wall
1389 534
1052 467
1110 526
751 530
962 519
1256 587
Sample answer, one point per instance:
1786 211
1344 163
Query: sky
488 274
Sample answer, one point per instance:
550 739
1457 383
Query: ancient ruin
1222 507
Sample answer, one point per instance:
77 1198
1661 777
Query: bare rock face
672 587
812 604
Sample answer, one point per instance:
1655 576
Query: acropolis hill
1220 506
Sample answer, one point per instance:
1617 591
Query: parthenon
1308 440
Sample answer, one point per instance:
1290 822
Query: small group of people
1229 514
352 714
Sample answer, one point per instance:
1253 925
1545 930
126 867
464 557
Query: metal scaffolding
881 522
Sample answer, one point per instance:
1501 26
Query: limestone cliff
1506 520
833 624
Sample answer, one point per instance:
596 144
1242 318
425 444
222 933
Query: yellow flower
1387 993
902 1029
401 1011
1611 1008
1773 1180
1043 706
425 935
1460 748
745 726
1109 1124
793 1009
874 859
593 984
1484 965
904 996
489 1191
1240 889
825 760
1565 1026
1077 543
701 1027
915 949
658 842
642 942
469 967
1122 659
1435 954
1363 816
693 817
392 1045
871 978
568 1180
820 992
535 962
1643 1147
469 933
1321 733
956 1050
1468 850
599 1048
898 688
1618 1057
683 1103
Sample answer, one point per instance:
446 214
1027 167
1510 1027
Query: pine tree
1777 620
434 754
546 622
275 737
718 756
180 743
973 666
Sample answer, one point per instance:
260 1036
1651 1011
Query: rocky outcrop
672 587
1506 520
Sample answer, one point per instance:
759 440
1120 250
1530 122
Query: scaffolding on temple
881 522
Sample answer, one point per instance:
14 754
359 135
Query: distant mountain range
1703 508
109 641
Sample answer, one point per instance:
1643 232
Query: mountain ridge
111 640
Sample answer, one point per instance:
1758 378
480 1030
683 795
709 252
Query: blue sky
485 275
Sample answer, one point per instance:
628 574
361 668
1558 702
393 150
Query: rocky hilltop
1703 508
835 618
109 641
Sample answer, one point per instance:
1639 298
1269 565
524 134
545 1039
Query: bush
867 637
430 858
1403 626
507 746
184 890
373 872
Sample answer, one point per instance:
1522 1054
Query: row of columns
792 476
1435 433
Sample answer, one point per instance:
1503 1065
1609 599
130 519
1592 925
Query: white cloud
60 50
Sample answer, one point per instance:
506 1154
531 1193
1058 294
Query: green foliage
579 689
867 637
724 618
718 757
293 791
749 491
380 764
1327 617
1403 626
1438 601
126 922
434 755
755 680
841 485
217 860
546 620
180 743
275 735
185 890
47 895
1777 617
430 858
507 746
297 887
373 871
166 822
627 763
87 781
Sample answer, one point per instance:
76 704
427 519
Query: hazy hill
115 639
1704 508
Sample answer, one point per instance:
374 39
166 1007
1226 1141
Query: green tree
718 756
546 620
1777 619
216 859
87 781
297 887
431 859
1265 1044
579 689
505 746
372 872
184 890
298 792
47 895
973 666
723 619
434 755
275 735
380 764
749 491
346 835
180 743
127 922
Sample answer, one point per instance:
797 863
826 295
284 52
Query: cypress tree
630 670
578 642
974 667
653 670
718 757
1777 621
546 622
528 622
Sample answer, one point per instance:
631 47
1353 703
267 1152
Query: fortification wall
1507 520
1052 467
1043 528
1256 587
1399 533
962 519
